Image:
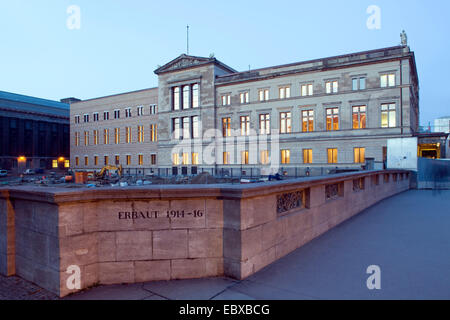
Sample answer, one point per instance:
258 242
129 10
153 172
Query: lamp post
21 164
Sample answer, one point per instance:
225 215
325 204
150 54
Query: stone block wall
162 233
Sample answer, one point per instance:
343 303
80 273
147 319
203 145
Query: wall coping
55 195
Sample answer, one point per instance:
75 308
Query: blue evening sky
121 43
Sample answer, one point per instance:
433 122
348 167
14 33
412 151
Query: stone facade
378 79
161 233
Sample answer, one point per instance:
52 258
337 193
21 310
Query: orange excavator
101 174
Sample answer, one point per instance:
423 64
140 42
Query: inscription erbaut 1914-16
144 215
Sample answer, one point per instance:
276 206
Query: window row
307 89
359 155
186 128
307 120
128 112
117 160
185 97
117 135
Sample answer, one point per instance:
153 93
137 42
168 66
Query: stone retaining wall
174 232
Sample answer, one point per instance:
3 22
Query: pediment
183 62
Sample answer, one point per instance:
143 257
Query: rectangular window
332 87
195 127
141 160
128 138
263 95
176 98
244 157
106 160
359 117
244 97
86 138
153 159
359 155
307 90
176 128
128 160
226 99
116 135
153 132
358 84
117 160
226 127
140 130
96 117
387 80
388 115
106 115
175 159
128 113
96 160
195 96
307 156
332 155
77 161
86 118
308 120
77 119
264 157
140 111
66 163
285 156
86 161
54 164
77 139
264 123
332 119
284 92
195 158
226 158
185 159
285 122
116 114
186 128
153 109
186 97
245 125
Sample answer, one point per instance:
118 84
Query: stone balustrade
140 234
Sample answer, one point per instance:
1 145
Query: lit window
96 160
307 156
244 157
307 90
264 157
95 137
359 155
285 156
195 158
153 159
226 99
77 139
106 160
244 97
331 87
263 94
117 160
332 119
116 135
86 161
86 138
359 117
195 96
308 120
332 155
54 164
66 163
387 80
226 158
141 160
175 159
128 137
185 159
176 98
284 92
77 161
388 115
264 123
106 136
128 160
245 125
140 133
154 132
226 127
285 122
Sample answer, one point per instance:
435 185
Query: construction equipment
101 174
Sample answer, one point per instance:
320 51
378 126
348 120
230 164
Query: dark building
34 133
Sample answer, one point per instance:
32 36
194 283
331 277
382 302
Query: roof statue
404 38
